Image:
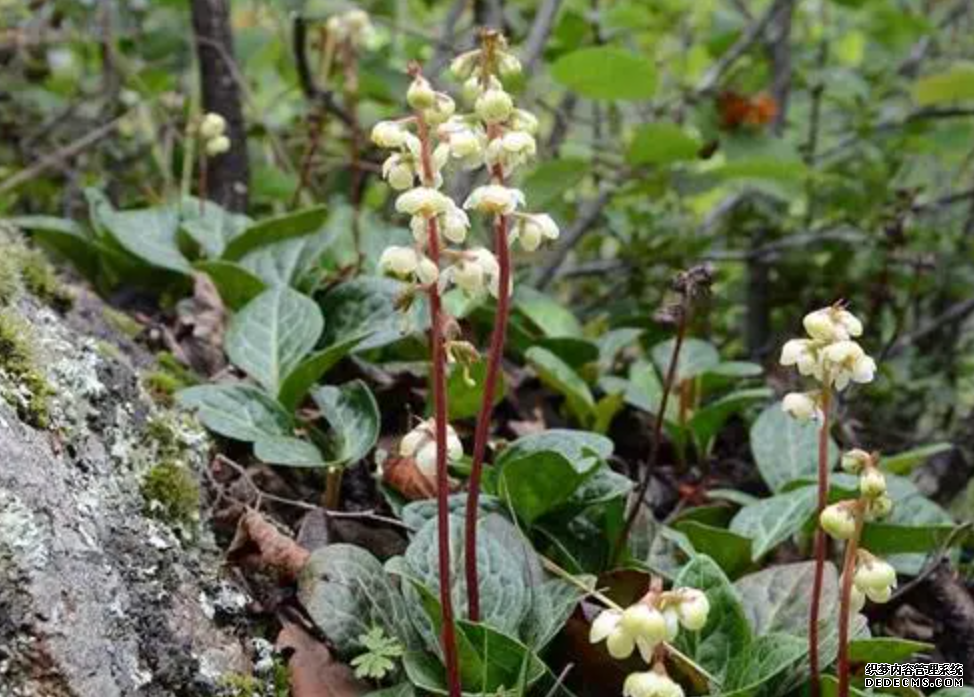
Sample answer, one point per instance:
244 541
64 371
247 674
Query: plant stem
333 488
448 637
668 385
848 571
494 358
821 539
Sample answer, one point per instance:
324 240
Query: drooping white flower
217 146
389 134
407 264
508 65
533 229
455 225
466 141
650 684
443 108
476 270
398 171
638 626
693 609
876 578
801 405
879 507
420 444
832 324
511 150
420 94
523 120
212 126
494 199
804 354
856 460
423 201
845 361
463 65
838 521
354 26
494 105
872 483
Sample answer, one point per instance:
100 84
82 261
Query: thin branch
587 216
956 313
544 20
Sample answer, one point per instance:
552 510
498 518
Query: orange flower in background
738 110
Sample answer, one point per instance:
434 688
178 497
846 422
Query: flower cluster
212 132
830 355
655 619
420 445
873 578
353 26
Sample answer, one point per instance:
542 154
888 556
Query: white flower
389 134
802 353
420 444
856 460
217 146
471 90
511 150
420 94
212 126
494 105
426 271
522 120
423 201
693 609
532 229
606 627
398 171
650 684
844 362
466 142
837 520
875 576
832 324
475 270
463 65
872 483
508 65
857 600
801 405
638 626
494 199
406 263
879 507
455 225
672 618
443 108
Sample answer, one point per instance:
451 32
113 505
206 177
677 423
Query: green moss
276 683
9 279
172 495
121 322
39 279
18 363
170 377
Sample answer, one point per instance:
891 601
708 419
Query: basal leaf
773 520
272 230
237 286
785 449
706 422
696 358
731 551
287 262
288 451
777 599
903 463
463 398
538 483
238 411
149 234
560 377
211 225
767 658
64 237
368 305
300 380
269 337
353 415
582 448
551 317
886 649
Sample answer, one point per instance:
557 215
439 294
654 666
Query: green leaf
404 689
577 353
64 237
149 234
706 423
582 448
550 316
347 592
552 603
767 658
885 649
737 369
288 451
777 599
268 338
768 168
287 262
600 488
957 84
731 551
786 449
645 391
548 182
538 483
463 399
726 633
606 72
613 342
771 521
367 305
311 369
212 228
559 376
696 358
905 462
272 230
238 411
237 286
417 513
353 414
662 143
889 538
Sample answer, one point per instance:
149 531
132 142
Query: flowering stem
821 540
668 385
848 571
440 414
494 357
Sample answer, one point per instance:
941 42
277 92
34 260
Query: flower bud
838 521
644 622
508 65
879 507
463 65
441 111
802 406
420 444
693 609
856 460
477 269
455 225
876 575
398 171
217 146
494 105
427 271
522 120
471 90
650 684
857 600
212 126
872 483
494 199
420 94
389 134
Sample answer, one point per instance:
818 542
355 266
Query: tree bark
228 175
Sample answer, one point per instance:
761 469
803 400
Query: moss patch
39 279
31 392
275 683
172 495
170 377
121 322
10 285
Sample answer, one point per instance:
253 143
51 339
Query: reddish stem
821 541
845 599
448 637
494 358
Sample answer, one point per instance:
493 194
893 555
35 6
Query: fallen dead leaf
312 670
259 544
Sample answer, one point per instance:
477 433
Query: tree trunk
228 175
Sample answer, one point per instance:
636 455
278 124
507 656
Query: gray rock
98 599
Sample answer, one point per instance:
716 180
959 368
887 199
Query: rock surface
98 598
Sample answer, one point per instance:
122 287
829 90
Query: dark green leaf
300 380
732 552
271 230
238 411
606 72
464 399
149 234
237 286
885 649
288 451
662 143
771 521
957 84
904 463
353 414
786 449
367 305
559 376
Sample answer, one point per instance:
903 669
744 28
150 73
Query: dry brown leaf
402 474
258 543
312 670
